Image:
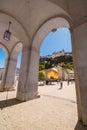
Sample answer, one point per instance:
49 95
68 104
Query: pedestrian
68 82
61 85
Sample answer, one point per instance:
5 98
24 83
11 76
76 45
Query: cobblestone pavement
49 112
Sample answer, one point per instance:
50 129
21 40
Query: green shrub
42 75
41 67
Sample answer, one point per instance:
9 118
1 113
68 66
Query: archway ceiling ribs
17 48
31 13
76 8
18 33
47 28
41 11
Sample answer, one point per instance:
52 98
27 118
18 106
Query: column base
80 126
6 88
25 96
9 89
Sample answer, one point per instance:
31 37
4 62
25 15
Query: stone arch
27 15
54 18
16 28
10 69
15 52
53 23
35 50
47 27
17 47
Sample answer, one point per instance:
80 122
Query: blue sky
19 59
54 41
3 57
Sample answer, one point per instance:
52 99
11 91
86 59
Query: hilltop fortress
58 54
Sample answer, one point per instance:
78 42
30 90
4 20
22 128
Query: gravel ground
49 112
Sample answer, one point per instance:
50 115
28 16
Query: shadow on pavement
13 101
9 102
80 126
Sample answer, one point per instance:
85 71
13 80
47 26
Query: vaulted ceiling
28 16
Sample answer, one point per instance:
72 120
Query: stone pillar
9 72
77 83
22 90
27 88
32 82
79 36
4 75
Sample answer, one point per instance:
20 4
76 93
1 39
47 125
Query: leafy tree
48 65
42 75
66 65
41 67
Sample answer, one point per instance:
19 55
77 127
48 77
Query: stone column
4 75
9 73
27 88
32 82
77 83
79 37
22 90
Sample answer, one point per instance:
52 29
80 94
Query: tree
42 75
67 65
41 67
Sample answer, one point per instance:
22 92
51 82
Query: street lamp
7 33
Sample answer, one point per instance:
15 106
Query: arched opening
56 64
48 27
18 67
2 63
12 46
16 55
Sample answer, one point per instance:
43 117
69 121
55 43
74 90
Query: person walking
68 81
61 84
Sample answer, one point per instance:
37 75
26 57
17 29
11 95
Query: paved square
54 110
